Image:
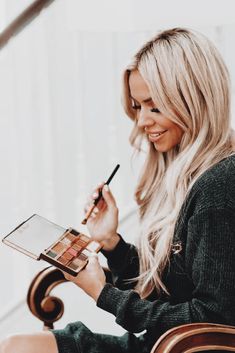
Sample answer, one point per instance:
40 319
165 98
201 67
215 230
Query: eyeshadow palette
68 249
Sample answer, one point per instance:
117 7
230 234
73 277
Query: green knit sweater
200 278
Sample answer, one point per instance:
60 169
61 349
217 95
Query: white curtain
62 127
62 131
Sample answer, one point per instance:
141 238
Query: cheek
176 133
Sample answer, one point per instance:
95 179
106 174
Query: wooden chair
182 339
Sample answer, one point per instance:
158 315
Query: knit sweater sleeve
212 254
123 262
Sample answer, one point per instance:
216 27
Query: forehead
137 85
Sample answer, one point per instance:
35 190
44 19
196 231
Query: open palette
39 238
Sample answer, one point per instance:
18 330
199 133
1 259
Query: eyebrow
149 99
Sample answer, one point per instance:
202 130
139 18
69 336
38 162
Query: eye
136 107
155 110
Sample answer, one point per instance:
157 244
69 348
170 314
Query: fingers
107 200
67 275
93 260
108 196
101 205
93 256
97 190
96 210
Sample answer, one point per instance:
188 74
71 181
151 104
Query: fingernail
93 254
95 194
96 209
106 187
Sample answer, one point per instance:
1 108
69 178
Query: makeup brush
89 212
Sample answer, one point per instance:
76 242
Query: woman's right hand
103 222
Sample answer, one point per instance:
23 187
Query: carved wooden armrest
196 337
45 307
182 339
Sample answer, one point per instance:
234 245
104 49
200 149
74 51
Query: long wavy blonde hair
189 83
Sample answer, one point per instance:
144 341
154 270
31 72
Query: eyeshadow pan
81 243
78 262
59 247
85 238
75 232
71 237
63 260
67 256
66 241
72 251
86 252
82 257
51 254
76 247
75 264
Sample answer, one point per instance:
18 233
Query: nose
144 118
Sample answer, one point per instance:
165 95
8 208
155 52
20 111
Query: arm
123 262
213 275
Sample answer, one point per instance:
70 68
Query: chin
163 148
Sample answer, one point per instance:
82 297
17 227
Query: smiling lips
154 136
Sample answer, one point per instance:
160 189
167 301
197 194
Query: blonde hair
189 83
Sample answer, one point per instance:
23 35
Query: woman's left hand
91 279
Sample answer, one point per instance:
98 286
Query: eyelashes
153 110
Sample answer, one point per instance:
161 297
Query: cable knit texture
200 278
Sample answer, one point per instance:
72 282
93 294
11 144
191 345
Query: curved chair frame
196 337
182 339
45 307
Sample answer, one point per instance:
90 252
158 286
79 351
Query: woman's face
160 130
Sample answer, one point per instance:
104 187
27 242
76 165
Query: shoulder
215 188
223 171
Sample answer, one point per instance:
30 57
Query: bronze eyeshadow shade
71 252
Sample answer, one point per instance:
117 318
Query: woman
177 93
